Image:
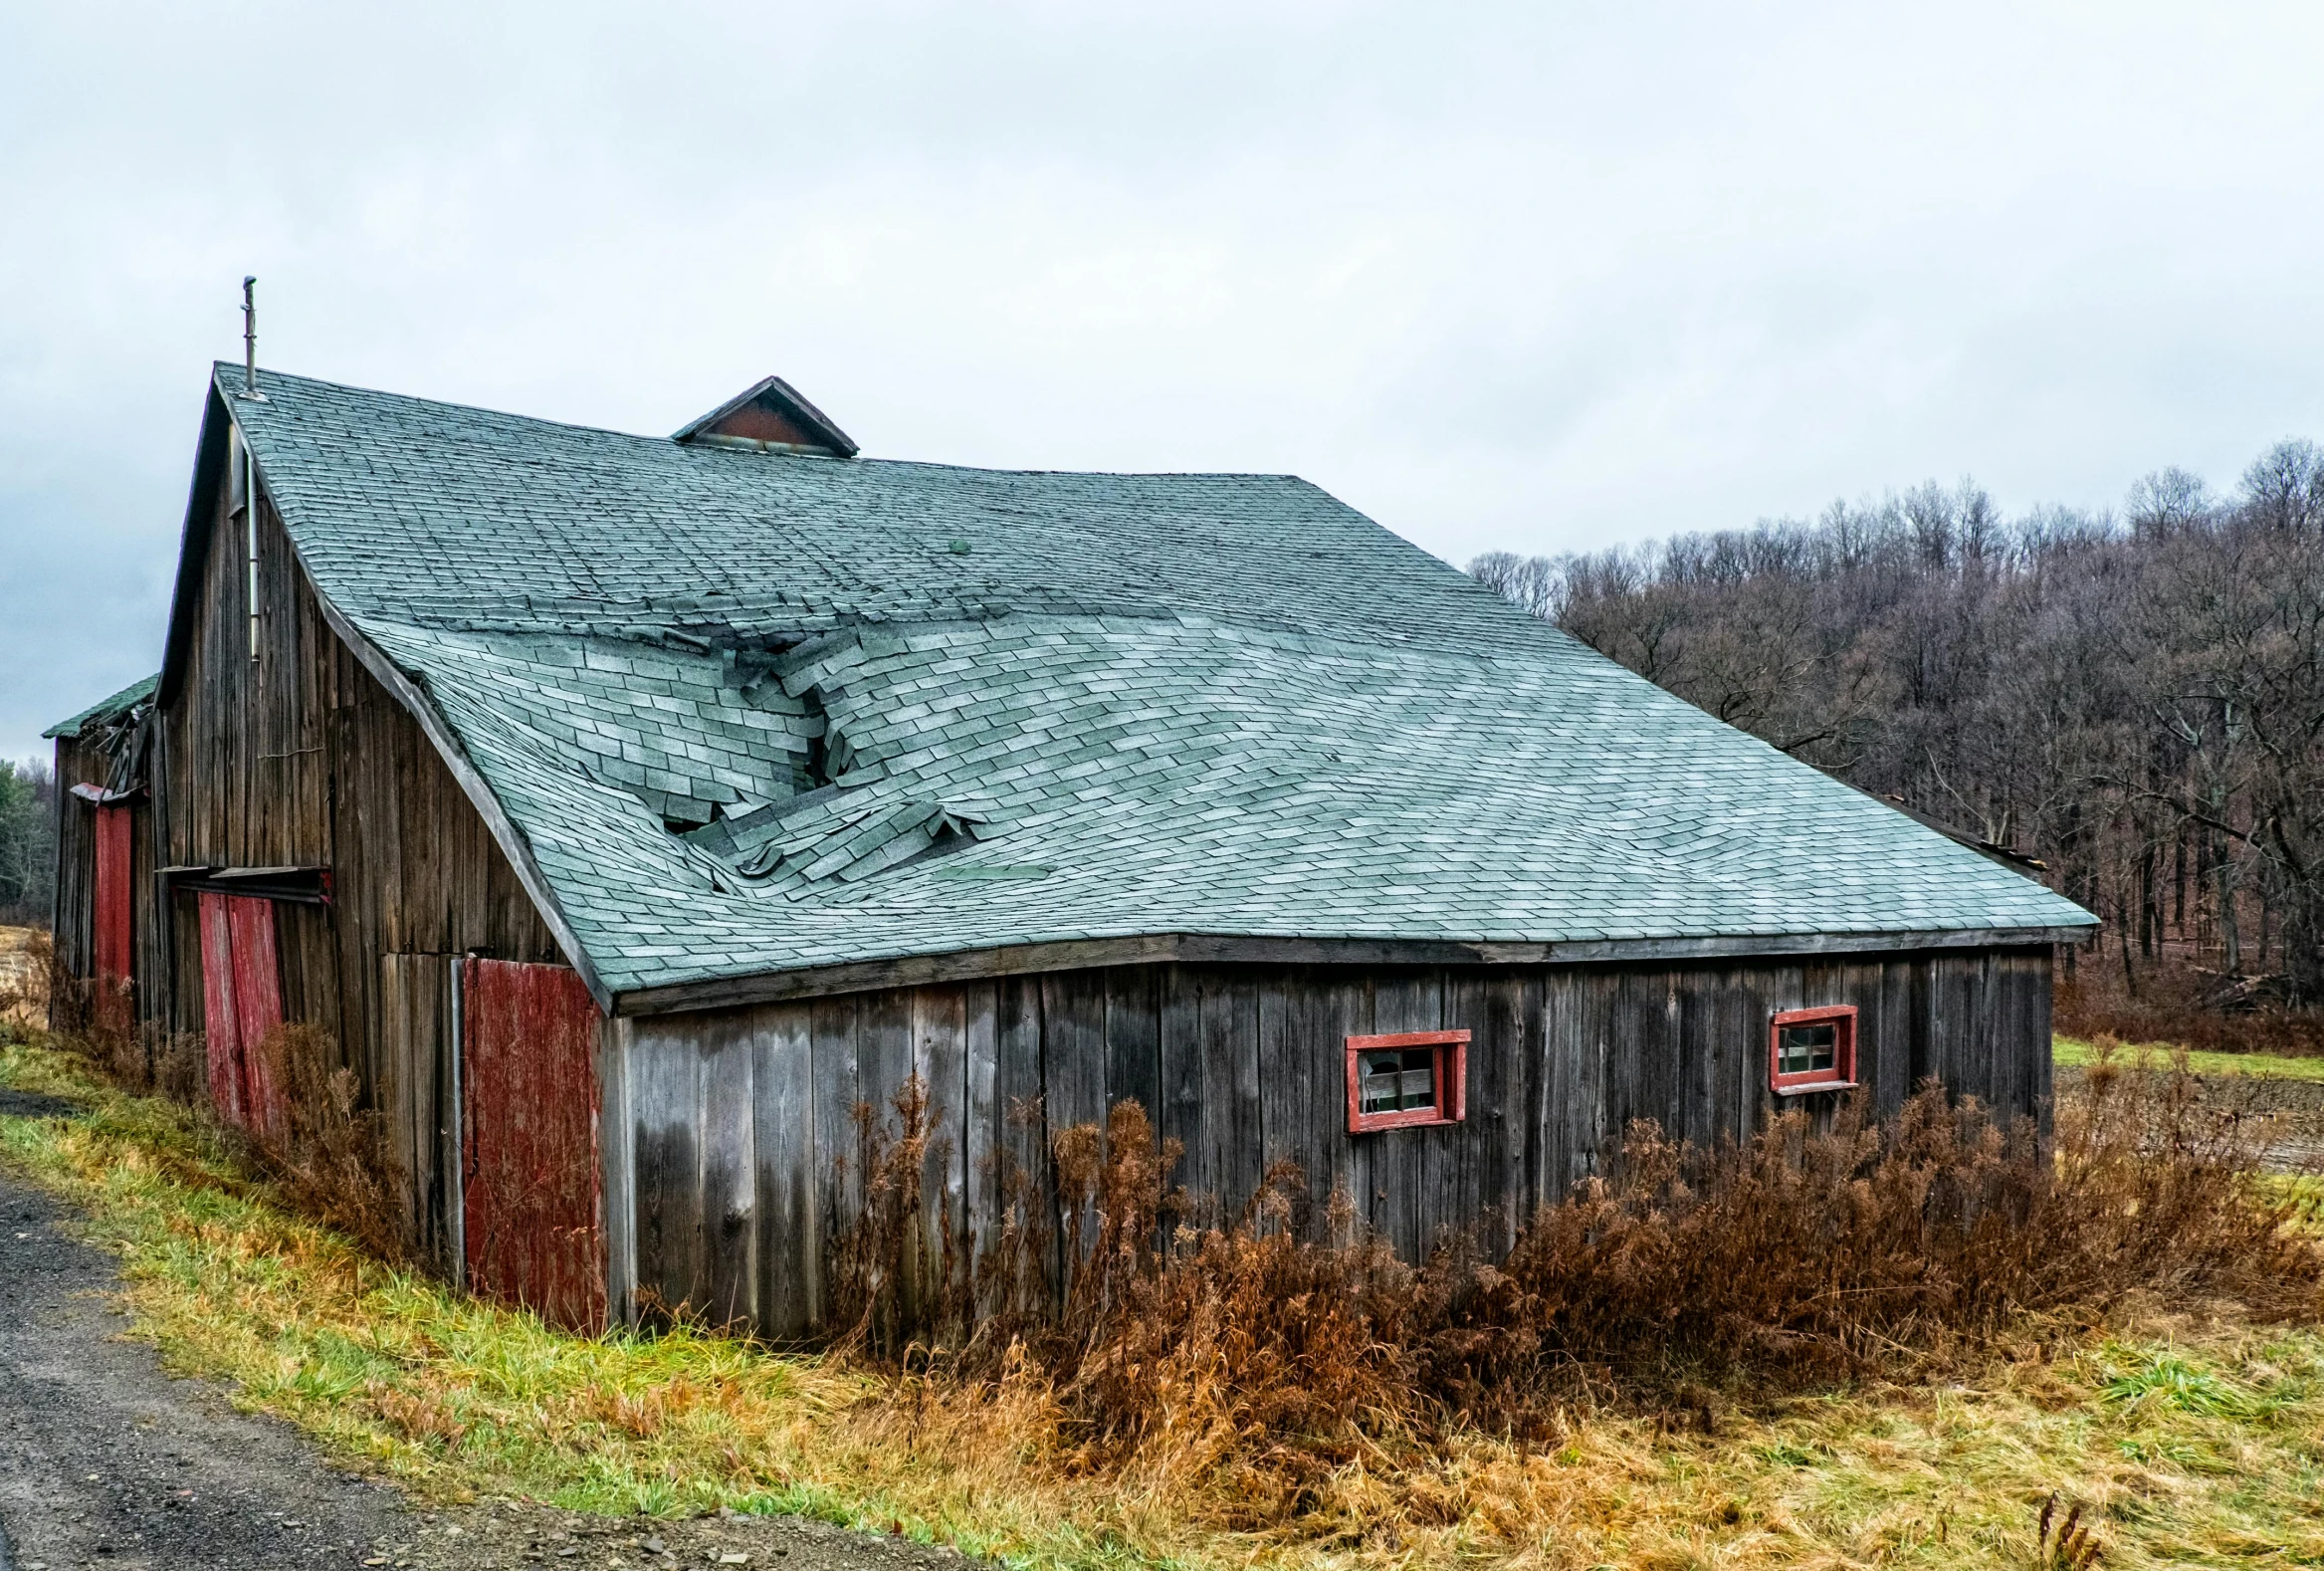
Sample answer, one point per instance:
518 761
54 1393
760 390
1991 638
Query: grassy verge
2080 1054
2198 1437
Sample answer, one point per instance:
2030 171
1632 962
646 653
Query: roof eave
504 829
912 970
193 544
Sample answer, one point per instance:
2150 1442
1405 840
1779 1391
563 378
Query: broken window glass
1396 1079
1808 1049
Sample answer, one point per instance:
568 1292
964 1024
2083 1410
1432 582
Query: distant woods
28 853
2136 700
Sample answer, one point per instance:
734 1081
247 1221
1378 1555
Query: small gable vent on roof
771 416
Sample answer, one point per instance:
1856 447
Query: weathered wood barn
105 848
630 810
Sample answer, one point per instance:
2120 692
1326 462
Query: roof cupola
769 416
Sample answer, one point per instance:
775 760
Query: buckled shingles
1148 684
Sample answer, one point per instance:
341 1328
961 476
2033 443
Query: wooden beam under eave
918 971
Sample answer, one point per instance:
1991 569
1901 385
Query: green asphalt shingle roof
1052 706
106 708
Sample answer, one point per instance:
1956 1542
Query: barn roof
106 709
754 713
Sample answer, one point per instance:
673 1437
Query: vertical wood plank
1133 1037
1023 1175
940 1057
1073 1057
1183 1115
618 1123
729 1166
982 1153
1408 1165
2038 981
791 1239
666 1096
838 1089
1489 1186
1233 1135
1073 1015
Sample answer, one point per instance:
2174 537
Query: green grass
2194 1438
2068 1050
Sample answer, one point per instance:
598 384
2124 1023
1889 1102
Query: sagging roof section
758 713
109 710
771 415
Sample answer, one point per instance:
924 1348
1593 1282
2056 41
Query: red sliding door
241 1000
114 937
532 1207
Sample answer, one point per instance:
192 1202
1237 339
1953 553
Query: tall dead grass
95 1021
328 1151
2175 1001
1267 1357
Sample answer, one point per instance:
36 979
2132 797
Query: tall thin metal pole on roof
250 336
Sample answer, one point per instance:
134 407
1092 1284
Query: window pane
1808 1050
1394 1080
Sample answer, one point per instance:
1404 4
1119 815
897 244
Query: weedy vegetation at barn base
1919 1344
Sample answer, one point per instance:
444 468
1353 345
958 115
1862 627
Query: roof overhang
913 971
193 544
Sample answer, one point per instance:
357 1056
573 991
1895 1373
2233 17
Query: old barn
631 810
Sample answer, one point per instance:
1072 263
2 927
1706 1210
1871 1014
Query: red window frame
1450 1059
1841 1077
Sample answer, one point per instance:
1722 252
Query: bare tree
2138 702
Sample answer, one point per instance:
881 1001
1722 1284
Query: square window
1812 1051
1406 1079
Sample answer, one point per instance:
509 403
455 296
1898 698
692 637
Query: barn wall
742 1151
302 757
74 913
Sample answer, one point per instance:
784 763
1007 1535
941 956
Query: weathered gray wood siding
300 758
741 1149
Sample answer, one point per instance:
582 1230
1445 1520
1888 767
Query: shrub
330 1152
1278 1353
2175 1000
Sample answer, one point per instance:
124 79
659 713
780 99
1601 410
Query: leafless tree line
28 848
2136 699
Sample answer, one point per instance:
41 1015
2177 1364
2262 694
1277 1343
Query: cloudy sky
1536 277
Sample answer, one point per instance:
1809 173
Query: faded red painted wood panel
114 937
533 1216
242 999
257 1007
219 1029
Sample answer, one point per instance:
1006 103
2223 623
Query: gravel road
106 1462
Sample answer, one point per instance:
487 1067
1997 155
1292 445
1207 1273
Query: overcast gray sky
1533 276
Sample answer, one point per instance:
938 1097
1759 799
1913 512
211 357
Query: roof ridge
220 371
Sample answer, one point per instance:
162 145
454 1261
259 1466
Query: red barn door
241 1000
114 936
533 1209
